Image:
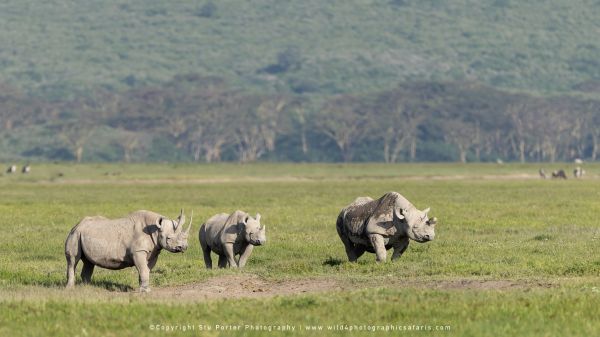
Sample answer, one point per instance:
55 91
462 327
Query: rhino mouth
424 238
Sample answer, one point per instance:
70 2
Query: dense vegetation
237 80
201 119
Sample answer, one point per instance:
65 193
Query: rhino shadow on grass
333 261
112 286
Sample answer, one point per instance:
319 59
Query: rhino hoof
144 289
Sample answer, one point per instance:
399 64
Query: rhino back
211 231
356 214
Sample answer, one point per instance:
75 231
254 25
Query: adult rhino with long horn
378 225
135 240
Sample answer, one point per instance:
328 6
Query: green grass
495 224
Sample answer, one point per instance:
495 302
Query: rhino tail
73 243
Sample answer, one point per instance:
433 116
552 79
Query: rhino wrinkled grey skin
231 235
378 225
135 240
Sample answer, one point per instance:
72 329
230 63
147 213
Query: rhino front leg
378 246
245 255
140 259
230 255
399 248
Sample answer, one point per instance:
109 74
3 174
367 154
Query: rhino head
416 223
254 233
171 235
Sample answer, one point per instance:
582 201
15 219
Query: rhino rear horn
190 226
180 219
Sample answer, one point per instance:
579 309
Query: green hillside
60 48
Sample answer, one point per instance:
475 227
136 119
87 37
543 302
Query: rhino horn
257 216
190 226
180 220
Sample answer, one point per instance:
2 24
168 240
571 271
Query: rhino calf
135 240
230 235
378 225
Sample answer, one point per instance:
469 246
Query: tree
343 120
76 134
461 134
257 126
398 124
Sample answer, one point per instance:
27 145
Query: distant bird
578 161
578 172
26 169
543 174
12 169
560 174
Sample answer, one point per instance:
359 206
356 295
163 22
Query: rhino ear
426 210
399 212
160 223
246 219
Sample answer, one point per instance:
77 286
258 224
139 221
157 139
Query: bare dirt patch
253 286
248 286
488 284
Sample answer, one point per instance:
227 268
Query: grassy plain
514 254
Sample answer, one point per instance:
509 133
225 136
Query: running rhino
378 225
231 235
135 240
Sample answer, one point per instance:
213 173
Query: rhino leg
399 248
245 255
72 261
359 251
379 247
140 259
222 261
73 255
207 259
352 251
87 271
228 247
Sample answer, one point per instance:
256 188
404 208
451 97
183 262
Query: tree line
198 118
